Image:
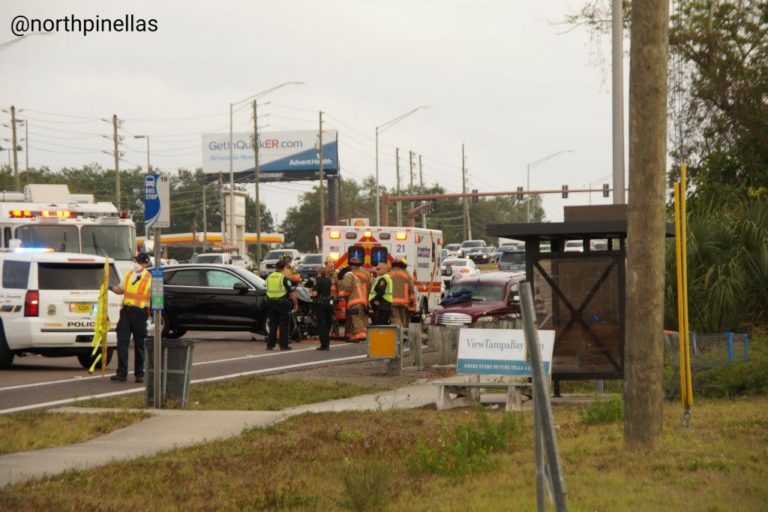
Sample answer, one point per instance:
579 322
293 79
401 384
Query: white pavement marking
67 401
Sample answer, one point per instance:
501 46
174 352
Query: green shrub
603 411
367 486
467 448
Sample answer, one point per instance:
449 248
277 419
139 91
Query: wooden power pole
646 225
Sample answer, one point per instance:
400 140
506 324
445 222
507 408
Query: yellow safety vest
387 292
136 294
276 285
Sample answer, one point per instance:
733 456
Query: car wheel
6 354
86 359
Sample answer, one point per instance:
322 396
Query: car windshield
58 238
208 258
513 257
312 259
471 245
456 263
452 247
114 241
479 291
275 255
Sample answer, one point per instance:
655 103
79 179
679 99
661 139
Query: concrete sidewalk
168 429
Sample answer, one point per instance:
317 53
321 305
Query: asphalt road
36 382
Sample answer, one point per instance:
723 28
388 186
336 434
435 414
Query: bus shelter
578 272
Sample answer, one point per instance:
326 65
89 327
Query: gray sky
498 76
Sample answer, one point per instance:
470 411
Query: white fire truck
49 217
372 245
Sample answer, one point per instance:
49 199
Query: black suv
208 297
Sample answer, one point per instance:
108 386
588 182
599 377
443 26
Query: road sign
156 298
157 201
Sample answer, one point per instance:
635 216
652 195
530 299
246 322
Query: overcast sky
499 76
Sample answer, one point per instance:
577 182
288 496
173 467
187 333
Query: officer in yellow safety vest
135 290
281 300
381 295
357 303
403 296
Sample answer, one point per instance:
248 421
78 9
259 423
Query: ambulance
373 245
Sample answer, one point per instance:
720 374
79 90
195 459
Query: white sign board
500 352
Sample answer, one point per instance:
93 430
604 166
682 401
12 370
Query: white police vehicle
48 304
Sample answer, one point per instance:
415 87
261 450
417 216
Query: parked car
512 258
490 295
481 255
452 268
309 266
469 245
212 297
221 258
574 246
244 261
267 264
49 305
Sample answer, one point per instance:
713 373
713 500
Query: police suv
48 304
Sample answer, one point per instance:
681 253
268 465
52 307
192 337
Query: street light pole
528 179
231 170
146 229
380 129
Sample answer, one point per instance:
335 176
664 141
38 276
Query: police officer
323 302
281 300
135 290
381 295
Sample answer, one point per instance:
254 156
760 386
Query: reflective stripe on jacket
357 294
387 293
365 279
136 294
276 286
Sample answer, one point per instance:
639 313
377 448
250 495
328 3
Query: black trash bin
175 371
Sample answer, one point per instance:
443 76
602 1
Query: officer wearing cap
135 290
380 296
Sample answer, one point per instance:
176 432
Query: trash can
175 371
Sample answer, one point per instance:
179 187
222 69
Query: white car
452 268
48 305
267 265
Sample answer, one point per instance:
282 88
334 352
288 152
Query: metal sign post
157 214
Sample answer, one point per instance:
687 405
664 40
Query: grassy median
428 460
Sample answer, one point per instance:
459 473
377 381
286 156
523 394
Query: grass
41 429
250 394
363 461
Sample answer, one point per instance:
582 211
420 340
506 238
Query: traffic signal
565 191
520 195
475 199
606 190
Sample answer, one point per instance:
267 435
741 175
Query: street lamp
232 173
379 129
528 179
598 180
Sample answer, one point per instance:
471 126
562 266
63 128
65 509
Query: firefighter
403 296
290 273
380 296
365 279
357 303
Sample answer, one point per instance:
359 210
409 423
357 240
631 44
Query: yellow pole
680 307
684 246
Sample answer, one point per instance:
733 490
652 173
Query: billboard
283 156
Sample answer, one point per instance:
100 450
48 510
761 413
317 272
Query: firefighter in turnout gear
135 290
380 296
403 295
365 279
281 300
357 304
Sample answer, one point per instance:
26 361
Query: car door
184 296
233 301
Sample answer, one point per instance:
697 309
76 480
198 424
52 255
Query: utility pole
221 207
467 228
117 160
205 219
322 186
397 187
15 149
617 58
26 147
421 186
256 177
410 167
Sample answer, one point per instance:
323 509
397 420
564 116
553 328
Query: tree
643 360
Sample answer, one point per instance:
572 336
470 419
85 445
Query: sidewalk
168 429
